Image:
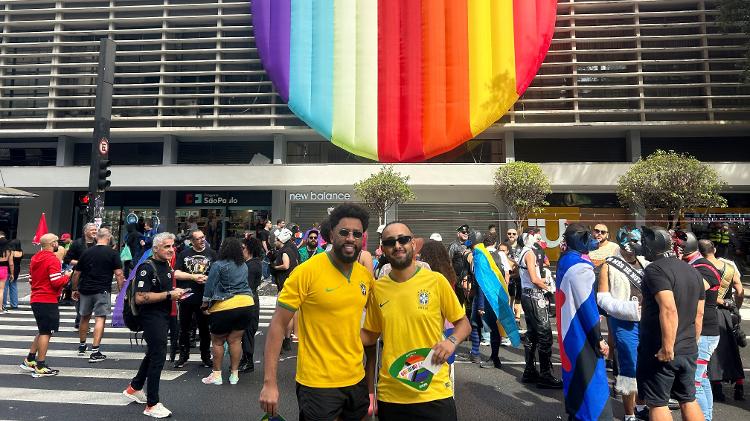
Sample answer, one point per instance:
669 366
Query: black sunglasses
596 231
390 242
312 237
344 233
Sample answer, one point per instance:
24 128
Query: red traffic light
84 199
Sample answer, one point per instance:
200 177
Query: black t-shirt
670 274
710 316
263 237
76 250
194 262
97 265
282 275
254 275
148 281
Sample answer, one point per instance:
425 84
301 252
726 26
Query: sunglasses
511 234
464 232
390 242
596 231
312 237
344 233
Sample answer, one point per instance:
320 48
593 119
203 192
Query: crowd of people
668 303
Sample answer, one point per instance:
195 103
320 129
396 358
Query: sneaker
492 362
233 378
134 395
505 341
286 345
206 360
213 379
642 415
81 350
157 411
44 371
673 405
475 359
484 343
97 357
180 362
295 339
28 365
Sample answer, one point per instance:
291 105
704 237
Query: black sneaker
180 362
286 344
642 415
81 350
97 357
492 362
206 360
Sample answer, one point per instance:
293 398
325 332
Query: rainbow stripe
402 80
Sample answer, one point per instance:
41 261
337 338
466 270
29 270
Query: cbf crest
363 288
423 297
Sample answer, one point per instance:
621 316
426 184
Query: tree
384 189
522 186
670 181
735 17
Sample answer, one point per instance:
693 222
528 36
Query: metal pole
102 116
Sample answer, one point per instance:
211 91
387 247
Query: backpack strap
714 271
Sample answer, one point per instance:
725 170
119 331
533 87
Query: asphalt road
90 391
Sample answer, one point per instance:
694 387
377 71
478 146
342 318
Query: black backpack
130 309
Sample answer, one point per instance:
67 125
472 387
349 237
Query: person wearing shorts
92 285
47 281
228 299
330 291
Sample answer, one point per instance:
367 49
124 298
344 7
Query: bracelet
453 339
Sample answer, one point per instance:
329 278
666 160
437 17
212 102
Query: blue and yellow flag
495 288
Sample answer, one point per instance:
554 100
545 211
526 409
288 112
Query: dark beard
346 259
403 264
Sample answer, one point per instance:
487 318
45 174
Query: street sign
103 146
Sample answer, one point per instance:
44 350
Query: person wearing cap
287 258
435 236
457 251
65 240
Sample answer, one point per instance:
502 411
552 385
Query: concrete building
200 137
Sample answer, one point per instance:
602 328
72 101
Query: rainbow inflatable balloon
402 80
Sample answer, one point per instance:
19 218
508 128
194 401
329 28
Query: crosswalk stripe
63 353
94 373
66 339
72 321
31 328
81 397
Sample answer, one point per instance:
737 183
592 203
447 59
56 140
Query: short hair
490 239
491 226
103 233
47 239
706 247
88 226
325 230
349 210
194 231
160 238
313 231
394 223
280 220
253 246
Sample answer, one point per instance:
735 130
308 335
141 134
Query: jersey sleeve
449 305
373 315
295 290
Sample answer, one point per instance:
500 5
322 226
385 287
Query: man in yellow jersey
330 292
409 308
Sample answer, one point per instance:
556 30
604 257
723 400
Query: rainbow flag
402 81
495 288
584 372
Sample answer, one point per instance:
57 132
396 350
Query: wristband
453 339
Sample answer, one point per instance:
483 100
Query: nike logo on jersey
382 304
332 289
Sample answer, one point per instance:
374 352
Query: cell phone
185 296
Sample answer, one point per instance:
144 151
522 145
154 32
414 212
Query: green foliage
670 181
384 189
735 17
522 186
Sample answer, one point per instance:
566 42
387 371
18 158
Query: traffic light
102 172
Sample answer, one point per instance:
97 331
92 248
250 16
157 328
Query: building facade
200 137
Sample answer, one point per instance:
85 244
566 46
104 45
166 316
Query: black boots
530 375
739 392
717 390
546 379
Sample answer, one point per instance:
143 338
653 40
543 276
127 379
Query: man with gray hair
71 257
92 287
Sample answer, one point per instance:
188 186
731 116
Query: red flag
41 229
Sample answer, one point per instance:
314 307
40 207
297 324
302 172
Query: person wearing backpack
153 293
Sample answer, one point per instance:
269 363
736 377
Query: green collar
412 275
346 275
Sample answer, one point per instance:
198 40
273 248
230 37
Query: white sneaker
157 411
136 396
484 343
505 341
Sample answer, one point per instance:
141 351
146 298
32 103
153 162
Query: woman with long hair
227 300
6 267
434 254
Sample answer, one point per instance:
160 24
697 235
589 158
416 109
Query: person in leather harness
534 299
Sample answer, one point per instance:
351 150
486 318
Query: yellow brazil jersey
411 315
330 306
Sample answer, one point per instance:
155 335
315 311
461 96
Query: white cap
436 236
381 228
283 235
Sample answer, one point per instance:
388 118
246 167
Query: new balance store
222 214
121 207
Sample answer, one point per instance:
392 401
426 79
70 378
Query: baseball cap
283 235
436 236
463 228
64 237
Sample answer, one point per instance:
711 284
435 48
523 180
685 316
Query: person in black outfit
287 258
71 258
672 311
253 252
154 295
191 271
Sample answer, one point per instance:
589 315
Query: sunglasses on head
344 233
390 242
596 231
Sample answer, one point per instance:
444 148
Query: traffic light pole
99 173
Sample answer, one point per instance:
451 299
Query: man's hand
177 292
481 312
604 348
269 399
200 279
442 350
76 295
665 355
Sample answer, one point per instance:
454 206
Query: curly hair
434 254
253 246
349 210
231 250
